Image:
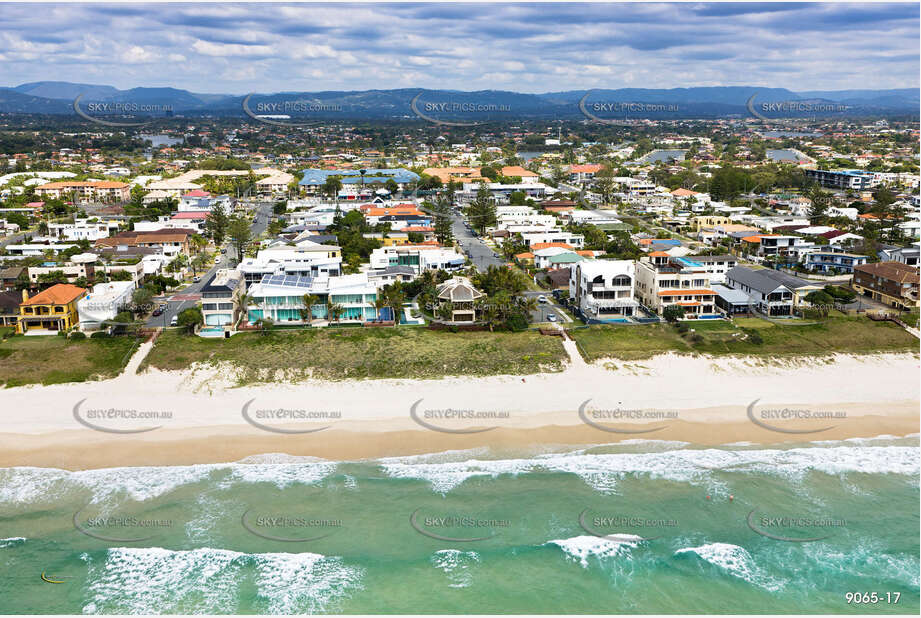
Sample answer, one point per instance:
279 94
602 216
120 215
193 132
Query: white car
551 317
542 299
174 321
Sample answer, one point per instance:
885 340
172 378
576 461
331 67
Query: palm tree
379 303
395 298
335 311
243 301
488 312
309 301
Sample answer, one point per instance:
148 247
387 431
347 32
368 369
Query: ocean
637 527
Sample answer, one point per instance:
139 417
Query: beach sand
699 400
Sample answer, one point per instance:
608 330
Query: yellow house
703 221
53 310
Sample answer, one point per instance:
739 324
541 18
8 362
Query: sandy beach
172 418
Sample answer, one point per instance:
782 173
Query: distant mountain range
52 97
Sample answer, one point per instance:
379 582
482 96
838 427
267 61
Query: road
545 309
13 239
478 252
262 215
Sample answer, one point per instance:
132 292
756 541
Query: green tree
216 224
332 186
240 235
265 325
334 312
482 210
395 296
189 319
673 313
309 301
443 221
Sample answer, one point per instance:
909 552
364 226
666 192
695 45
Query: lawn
333 354
54 360
718 337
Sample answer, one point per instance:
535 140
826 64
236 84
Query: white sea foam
580 548
12 541
735 561
604 471
446 476
456 564
26 485
155 580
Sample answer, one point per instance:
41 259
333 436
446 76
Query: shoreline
701 401
78 450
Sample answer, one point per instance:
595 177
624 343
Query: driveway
548 308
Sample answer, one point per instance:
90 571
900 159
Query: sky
266 47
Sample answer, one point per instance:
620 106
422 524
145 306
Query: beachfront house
281 299
604 289
51 311
460 296
663 280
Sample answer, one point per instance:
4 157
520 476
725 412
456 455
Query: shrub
77 335
100 334
753 336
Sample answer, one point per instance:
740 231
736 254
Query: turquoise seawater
639 527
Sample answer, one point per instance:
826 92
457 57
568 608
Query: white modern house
103 303
306 259
281 298
83 229
419 257
604 289
576 241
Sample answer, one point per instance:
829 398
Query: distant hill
698 102
15 102
66 90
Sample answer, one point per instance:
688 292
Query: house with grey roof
457 296
766 294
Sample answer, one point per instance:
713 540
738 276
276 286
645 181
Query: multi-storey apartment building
86 191
892 283
828 261
663 281
843 179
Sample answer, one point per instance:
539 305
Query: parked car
551 317
174 321
542 299
223 250
158 311
196 279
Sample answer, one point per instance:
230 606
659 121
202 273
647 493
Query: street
480 254
544 309
180 300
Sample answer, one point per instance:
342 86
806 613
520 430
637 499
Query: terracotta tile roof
588 168
659 254
527 255
58 294
517 170
893 271
547 245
